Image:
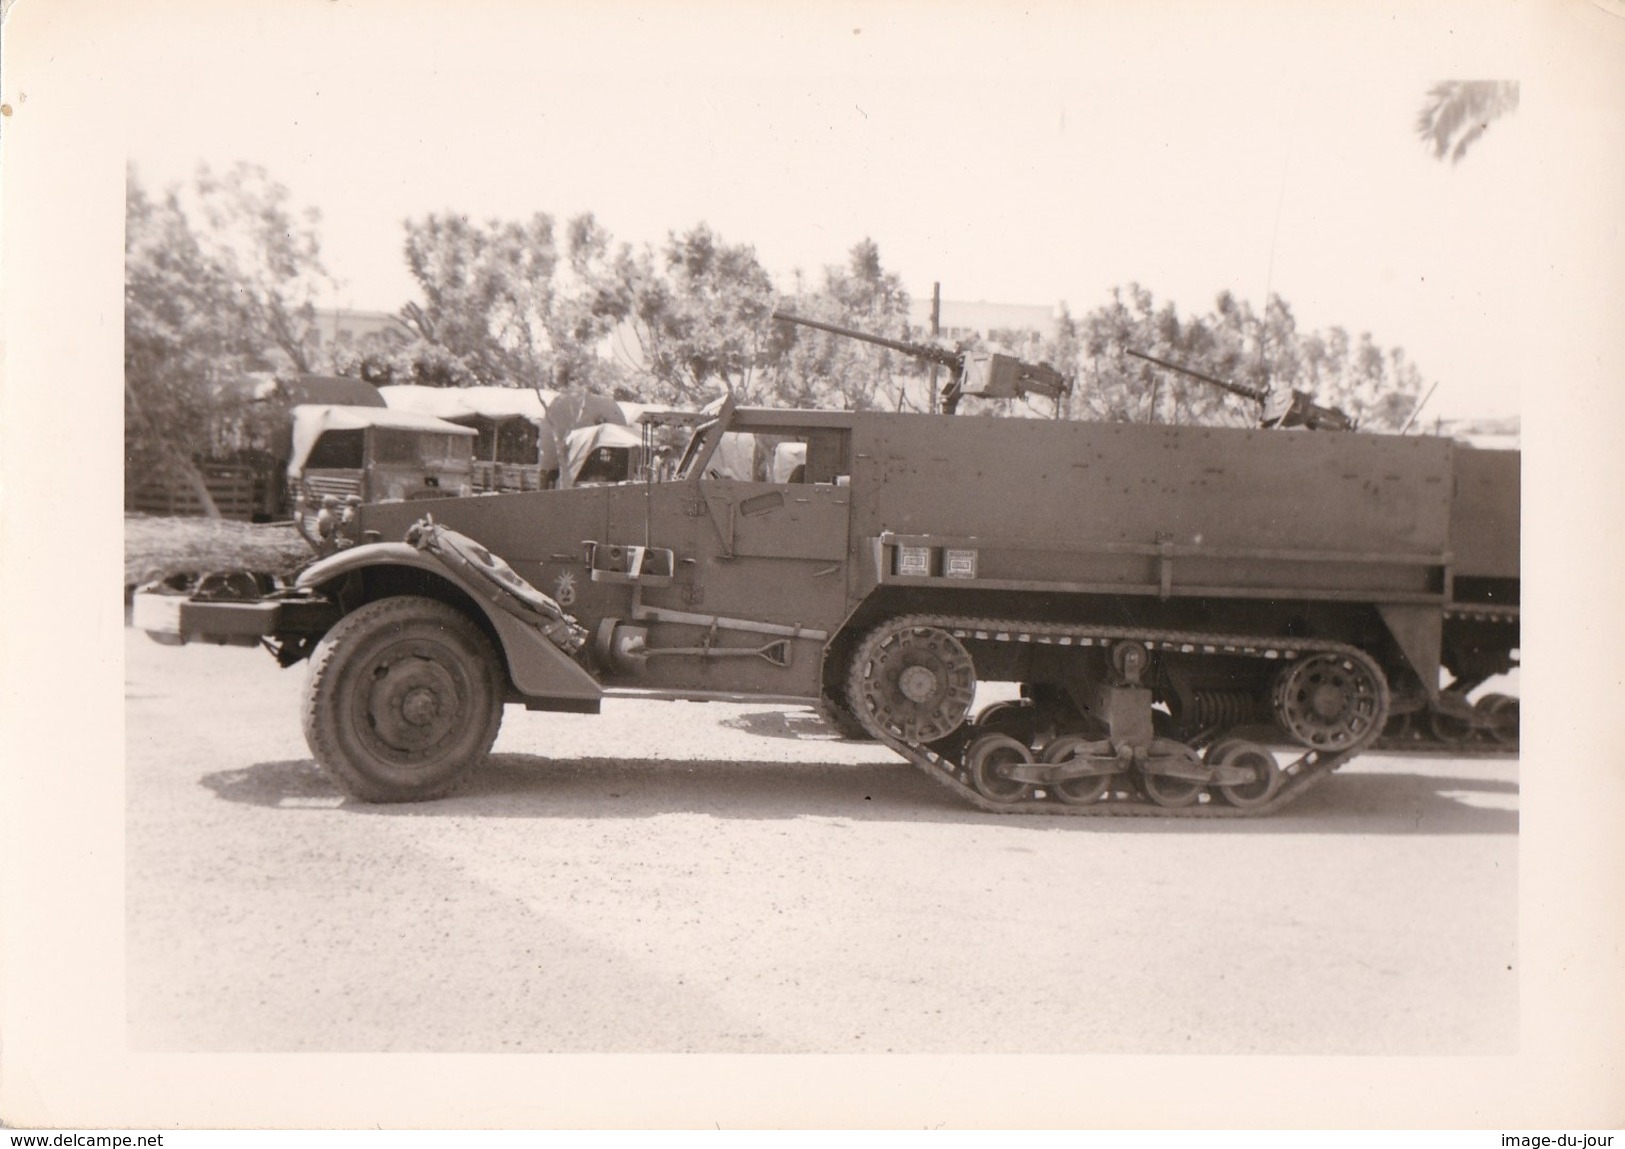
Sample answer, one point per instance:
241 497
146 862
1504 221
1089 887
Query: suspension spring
1225 708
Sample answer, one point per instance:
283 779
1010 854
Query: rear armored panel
1107 506
1484 527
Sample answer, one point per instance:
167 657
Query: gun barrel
1253 393
926 351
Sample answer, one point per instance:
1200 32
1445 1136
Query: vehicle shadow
533 786
796 725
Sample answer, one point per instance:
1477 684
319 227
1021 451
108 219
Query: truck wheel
403 700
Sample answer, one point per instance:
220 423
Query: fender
538 668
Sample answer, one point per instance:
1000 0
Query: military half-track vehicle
1202 621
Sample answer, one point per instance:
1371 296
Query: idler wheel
1077 791
914 682
989 761
1236 753
1331 701
1168 791
1500 713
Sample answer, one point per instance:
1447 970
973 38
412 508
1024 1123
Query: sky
1032 154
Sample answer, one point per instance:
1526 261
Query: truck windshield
416 448
338 450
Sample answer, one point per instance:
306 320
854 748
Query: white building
337 327
960 319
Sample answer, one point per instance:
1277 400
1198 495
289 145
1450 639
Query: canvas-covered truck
346 455
1201 621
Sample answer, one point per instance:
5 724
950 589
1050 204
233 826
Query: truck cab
374 455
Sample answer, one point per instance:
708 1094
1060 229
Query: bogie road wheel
1266 773
990 759
1166 790
1447 725
1501 717
403 700
1083 790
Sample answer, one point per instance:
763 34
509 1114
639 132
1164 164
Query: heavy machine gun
1301 411
981 374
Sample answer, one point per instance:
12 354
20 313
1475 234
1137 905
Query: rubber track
1301 775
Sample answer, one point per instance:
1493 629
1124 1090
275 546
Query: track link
1123 797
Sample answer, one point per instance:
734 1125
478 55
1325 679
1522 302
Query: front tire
403 700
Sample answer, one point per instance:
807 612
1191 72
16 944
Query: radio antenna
1275 235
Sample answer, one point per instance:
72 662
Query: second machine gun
980 374
1301 411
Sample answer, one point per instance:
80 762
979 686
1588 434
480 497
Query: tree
1457 112
220 279
698 312
504 305
386 356
272 254
174 349
1377 387
1113 386
594 299
487 293
812 368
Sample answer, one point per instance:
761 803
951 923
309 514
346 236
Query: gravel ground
672 877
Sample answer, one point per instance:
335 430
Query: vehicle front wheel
403 700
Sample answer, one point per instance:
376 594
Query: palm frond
1456 113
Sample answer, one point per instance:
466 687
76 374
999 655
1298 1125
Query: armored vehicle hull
1201 620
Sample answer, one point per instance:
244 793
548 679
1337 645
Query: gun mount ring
913 682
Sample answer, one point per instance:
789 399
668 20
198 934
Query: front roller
914 682
403 700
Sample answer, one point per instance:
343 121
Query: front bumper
176 619
230 608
